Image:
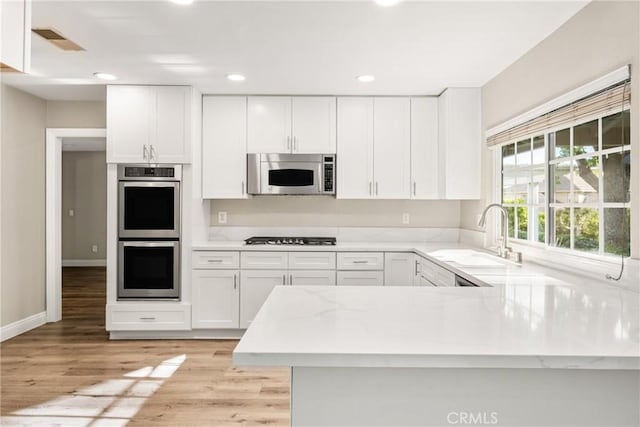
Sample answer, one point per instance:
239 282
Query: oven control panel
149 173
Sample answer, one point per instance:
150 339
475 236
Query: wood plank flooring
69 373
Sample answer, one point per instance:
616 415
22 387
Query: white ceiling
286 47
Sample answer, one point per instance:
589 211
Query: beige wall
327 211
22 261
600 38
76 114
84 189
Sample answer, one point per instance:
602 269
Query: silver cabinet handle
284 279
363 261
288 143
376 188
242 185
370 186
214 260
294 145
414 188
144 152
417 268
147 318
152 153
235 281
291 279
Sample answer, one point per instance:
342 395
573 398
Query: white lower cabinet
256 285
360 278
399 268
148 316
437 275
216 299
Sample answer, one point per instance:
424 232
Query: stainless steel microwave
291 174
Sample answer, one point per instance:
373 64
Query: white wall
600 38
84 190
22 260
76 114
330 212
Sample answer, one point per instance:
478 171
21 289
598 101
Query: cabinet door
256 285
269 124
312 277
424 148
170 141
355 148
314 124
224 147
216 299
129 111
15 37
460 143
392 148
399 269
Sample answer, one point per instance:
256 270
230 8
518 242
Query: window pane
560 142
523 157
615 130
509 188
508 156
617 231
539 224
616 168
523 181
562 227
522 223
585 138
586 225
585 180
561 182
510 212
538 185
538 150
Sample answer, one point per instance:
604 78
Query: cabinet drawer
214 260
139 317
264 260
435 274
312 278
312 260
360 261
360 278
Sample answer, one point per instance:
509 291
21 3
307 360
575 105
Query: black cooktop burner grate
317 241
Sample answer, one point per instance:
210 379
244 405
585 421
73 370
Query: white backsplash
342 234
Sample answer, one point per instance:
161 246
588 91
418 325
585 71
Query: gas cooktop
317 241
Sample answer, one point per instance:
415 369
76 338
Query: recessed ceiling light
366 78
105 76
386 3
182 2
236 77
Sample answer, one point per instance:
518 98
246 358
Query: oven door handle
147 244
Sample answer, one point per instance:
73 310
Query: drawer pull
363 261
214 260
147 318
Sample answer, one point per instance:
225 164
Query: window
568 187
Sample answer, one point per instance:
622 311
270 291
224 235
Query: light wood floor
69 373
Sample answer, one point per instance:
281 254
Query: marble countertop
530 317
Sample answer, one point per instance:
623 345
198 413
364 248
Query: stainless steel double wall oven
149 232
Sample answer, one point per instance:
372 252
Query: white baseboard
23 325
84 262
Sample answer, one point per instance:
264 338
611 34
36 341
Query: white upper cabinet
424 148
15 35
459 143
392 148
299 124
224 147
314 124
148 124
374 150
269 124
355 148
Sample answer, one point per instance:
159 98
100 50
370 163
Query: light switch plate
405 218
222 217
94 248
71 212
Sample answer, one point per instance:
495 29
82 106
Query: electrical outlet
222 217
94 249
405 218
71 212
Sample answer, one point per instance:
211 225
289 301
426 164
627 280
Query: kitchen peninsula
531 349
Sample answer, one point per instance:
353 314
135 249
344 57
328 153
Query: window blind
612 99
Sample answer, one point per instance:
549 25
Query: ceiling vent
57 39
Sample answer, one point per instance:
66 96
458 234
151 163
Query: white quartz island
531 350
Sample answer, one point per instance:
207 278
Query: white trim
23 325
195 334
84 262
53 209
617 76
